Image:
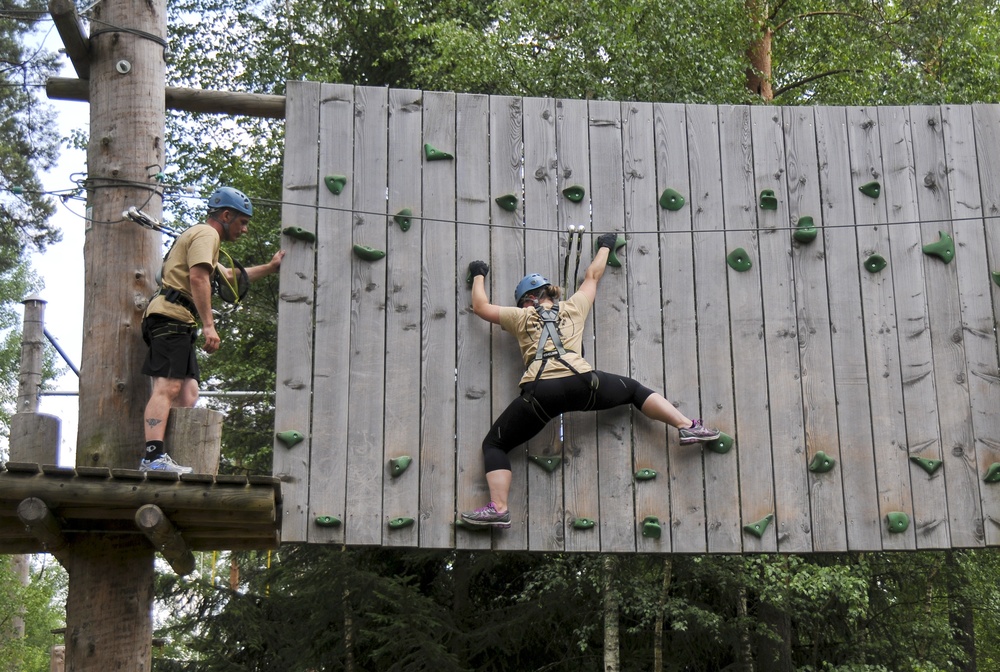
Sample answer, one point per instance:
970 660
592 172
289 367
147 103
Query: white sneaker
164 463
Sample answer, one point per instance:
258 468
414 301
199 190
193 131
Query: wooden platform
209 512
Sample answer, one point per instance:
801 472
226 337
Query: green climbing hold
992 473
721 445
436 154
335 183
875 263
821 463
757 529
549 464
403 219
996 277
574 193
645 474
898 521
327 521
943 249
583 524
651 527
508 202
400 523
290 437
768 201
368 253
805 230
397 465
739 260
671 200
927 464
872 189
613 259
299 233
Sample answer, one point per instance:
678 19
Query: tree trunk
744 654
775 655
658 628
758 72
612 654
960 615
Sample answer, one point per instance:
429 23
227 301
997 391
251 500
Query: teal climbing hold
574 193
927 464
368 253
651 527
299 233
645 474
436 154
403 219
821 463
583 524
507 202
805 230
739 260
613 259
757 529
327 521
671 200
875 263
335 183
721 445
548 463
290 437
871 189
400 523
897 521
397 465
943 249
768 201
992 473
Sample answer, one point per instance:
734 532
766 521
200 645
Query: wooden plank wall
805 353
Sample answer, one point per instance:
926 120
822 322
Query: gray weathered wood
194 438
34 437
165 538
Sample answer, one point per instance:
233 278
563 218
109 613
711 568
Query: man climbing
184 298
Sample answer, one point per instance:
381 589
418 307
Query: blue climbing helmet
227 197
529 283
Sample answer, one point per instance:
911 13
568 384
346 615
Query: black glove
607 240
478 268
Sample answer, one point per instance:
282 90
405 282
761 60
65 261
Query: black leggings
542 400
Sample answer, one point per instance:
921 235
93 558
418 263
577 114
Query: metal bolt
123 67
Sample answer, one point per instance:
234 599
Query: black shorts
171 348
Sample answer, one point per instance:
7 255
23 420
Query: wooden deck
807 352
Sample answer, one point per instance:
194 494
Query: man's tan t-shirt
197 245
526 326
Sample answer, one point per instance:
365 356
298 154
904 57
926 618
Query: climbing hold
671 200
875 263
299 233
768 201
335 183
17 190
721 445
645 474
403 219
400 523
508 202
927 464
583 524
757 529
549 464
821 463
574 193
805 231
739 260
327 521
992 473
651 527
613 259
996 277
898 521
368 253
436 154
290 437
873 189
397 465
943 249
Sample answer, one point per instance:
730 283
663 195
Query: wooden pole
29 380
165 537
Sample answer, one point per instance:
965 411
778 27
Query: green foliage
36 604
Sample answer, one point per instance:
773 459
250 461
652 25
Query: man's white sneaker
164 463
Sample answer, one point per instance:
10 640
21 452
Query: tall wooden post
108 608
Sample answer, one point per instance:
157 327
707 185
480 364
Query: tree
37 604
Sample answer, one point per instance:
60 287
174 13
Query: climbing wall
819 283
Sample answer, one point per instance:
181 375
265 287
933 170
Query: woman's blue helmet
529 283
227 197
